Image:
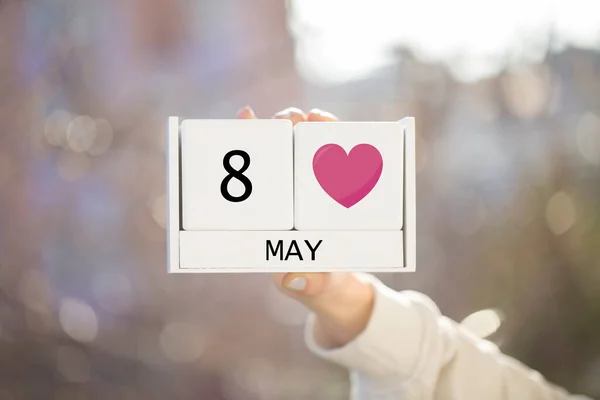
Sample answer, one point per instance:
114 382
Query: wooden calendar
266 196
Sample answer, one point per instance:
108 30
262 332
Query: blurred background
506 95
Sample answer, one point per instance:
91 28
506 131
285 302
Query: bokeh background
506 95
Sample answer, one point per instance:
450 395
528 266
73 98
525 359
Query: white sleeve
409 351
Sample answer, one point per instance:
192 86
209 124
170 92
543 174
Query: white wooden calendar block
237 174
282 250
349 176
215 239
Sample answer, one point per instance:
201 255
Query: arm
407 350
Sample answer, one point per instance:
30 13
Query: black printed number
237 174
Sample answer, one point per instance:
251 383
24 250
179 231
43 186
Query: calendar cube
236 175
349 176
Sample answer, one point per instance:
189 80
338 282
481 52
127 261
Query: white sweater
409 351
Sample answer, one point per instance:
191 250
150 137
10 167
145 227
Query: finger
246 113
316 115
303 284
293 114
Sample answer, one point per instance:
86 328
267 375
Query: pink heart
347 178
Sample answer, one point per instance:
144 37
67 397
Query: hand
342 303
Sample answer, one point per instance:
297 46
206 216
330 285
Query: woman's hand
342 303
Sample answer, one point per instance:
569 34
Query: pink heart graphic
347 178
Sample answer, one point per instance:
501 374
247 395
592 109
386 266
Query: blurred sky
341 40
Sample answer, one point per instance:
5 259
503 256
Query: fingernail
297 284
287 113
323 113
246 112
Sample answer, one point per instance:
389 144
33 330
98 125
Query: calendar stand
267 251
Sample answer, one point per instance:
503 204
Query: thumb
303 285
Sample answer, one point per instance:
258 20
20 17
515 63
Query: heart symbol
347 178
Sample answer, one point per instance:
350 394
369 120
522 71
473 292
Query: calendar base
290 251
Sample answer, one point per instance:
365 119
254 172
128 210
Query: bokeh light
56 127
78 320
560 213
588 137
81 133
182 342
102 139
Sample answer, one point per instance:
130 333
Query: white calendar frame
187 250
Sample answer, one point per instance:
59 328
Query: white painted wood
269 146
251 251
381 208
239 251
410 194
173 204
